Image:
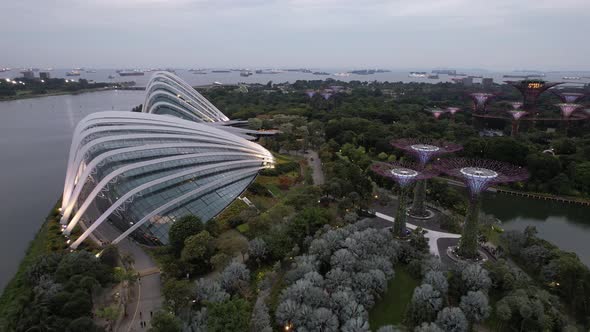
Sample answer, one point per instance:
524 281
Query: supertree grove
424 151
404 174
531 90
478 175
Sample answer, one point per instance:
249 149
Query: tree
177 293
425 303
452 319
438 281
428 327
198 248
257 249
110 314
260 321
475 306
164 321
475 278
232 315
183 228
82 324
234 277
207 291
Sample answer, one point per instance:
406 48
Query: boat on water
267 71
418 74
433 77
572 78
130 73
320 73
217 83
221 71
4 69
245 73
342 74
90 71
73 73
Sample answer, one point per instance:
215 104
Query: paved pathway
315 163
146 293
432 235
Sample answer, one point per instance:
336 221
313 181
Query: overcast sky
491 34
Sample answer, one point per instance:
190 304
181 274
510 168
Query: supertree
326 95
516 105
568 97
404 174
478 175
423 150
516 115
531 90
481 100
567 109
310 93
452 111
436 112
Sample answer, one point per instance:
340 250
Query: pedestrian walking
140 315
151 314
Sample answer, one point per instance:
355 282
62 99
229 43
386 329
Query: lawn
391 308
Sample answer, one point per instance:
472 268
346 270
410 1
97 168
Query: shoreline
60 93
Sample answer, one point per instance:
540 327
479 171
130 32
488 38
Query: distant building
44 75
467 81
28 74
487 82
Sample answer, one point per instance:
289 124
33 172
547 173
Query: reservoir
35 137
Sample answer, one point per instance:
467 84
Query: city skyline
502 35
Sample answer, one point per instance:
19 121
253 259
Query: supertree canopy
437 112
478 175
424 151
481 100
453 110
516 115
516 105
326 95
310 93
567 109
569 97
404 174
531 90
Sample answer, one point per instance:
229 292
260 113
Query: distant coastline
56 93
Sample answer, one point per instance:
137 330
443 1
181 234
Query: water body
563 224
35 137
233 77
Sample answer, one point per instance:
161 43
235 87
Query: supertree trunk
418 206
468 247
399 225
515 125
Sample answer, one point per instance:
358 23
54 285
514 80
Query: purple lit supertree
310 93
436 113
478 175
516 105
481 100
423 150
326 95
567 109
516 115
568 97
531 90
404 174
452 111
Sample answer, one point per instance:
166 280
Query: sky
394 34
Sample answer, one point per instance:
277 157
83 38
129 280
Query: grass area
391 308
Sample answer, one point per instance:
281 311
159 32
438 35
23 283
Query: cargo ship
131 73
